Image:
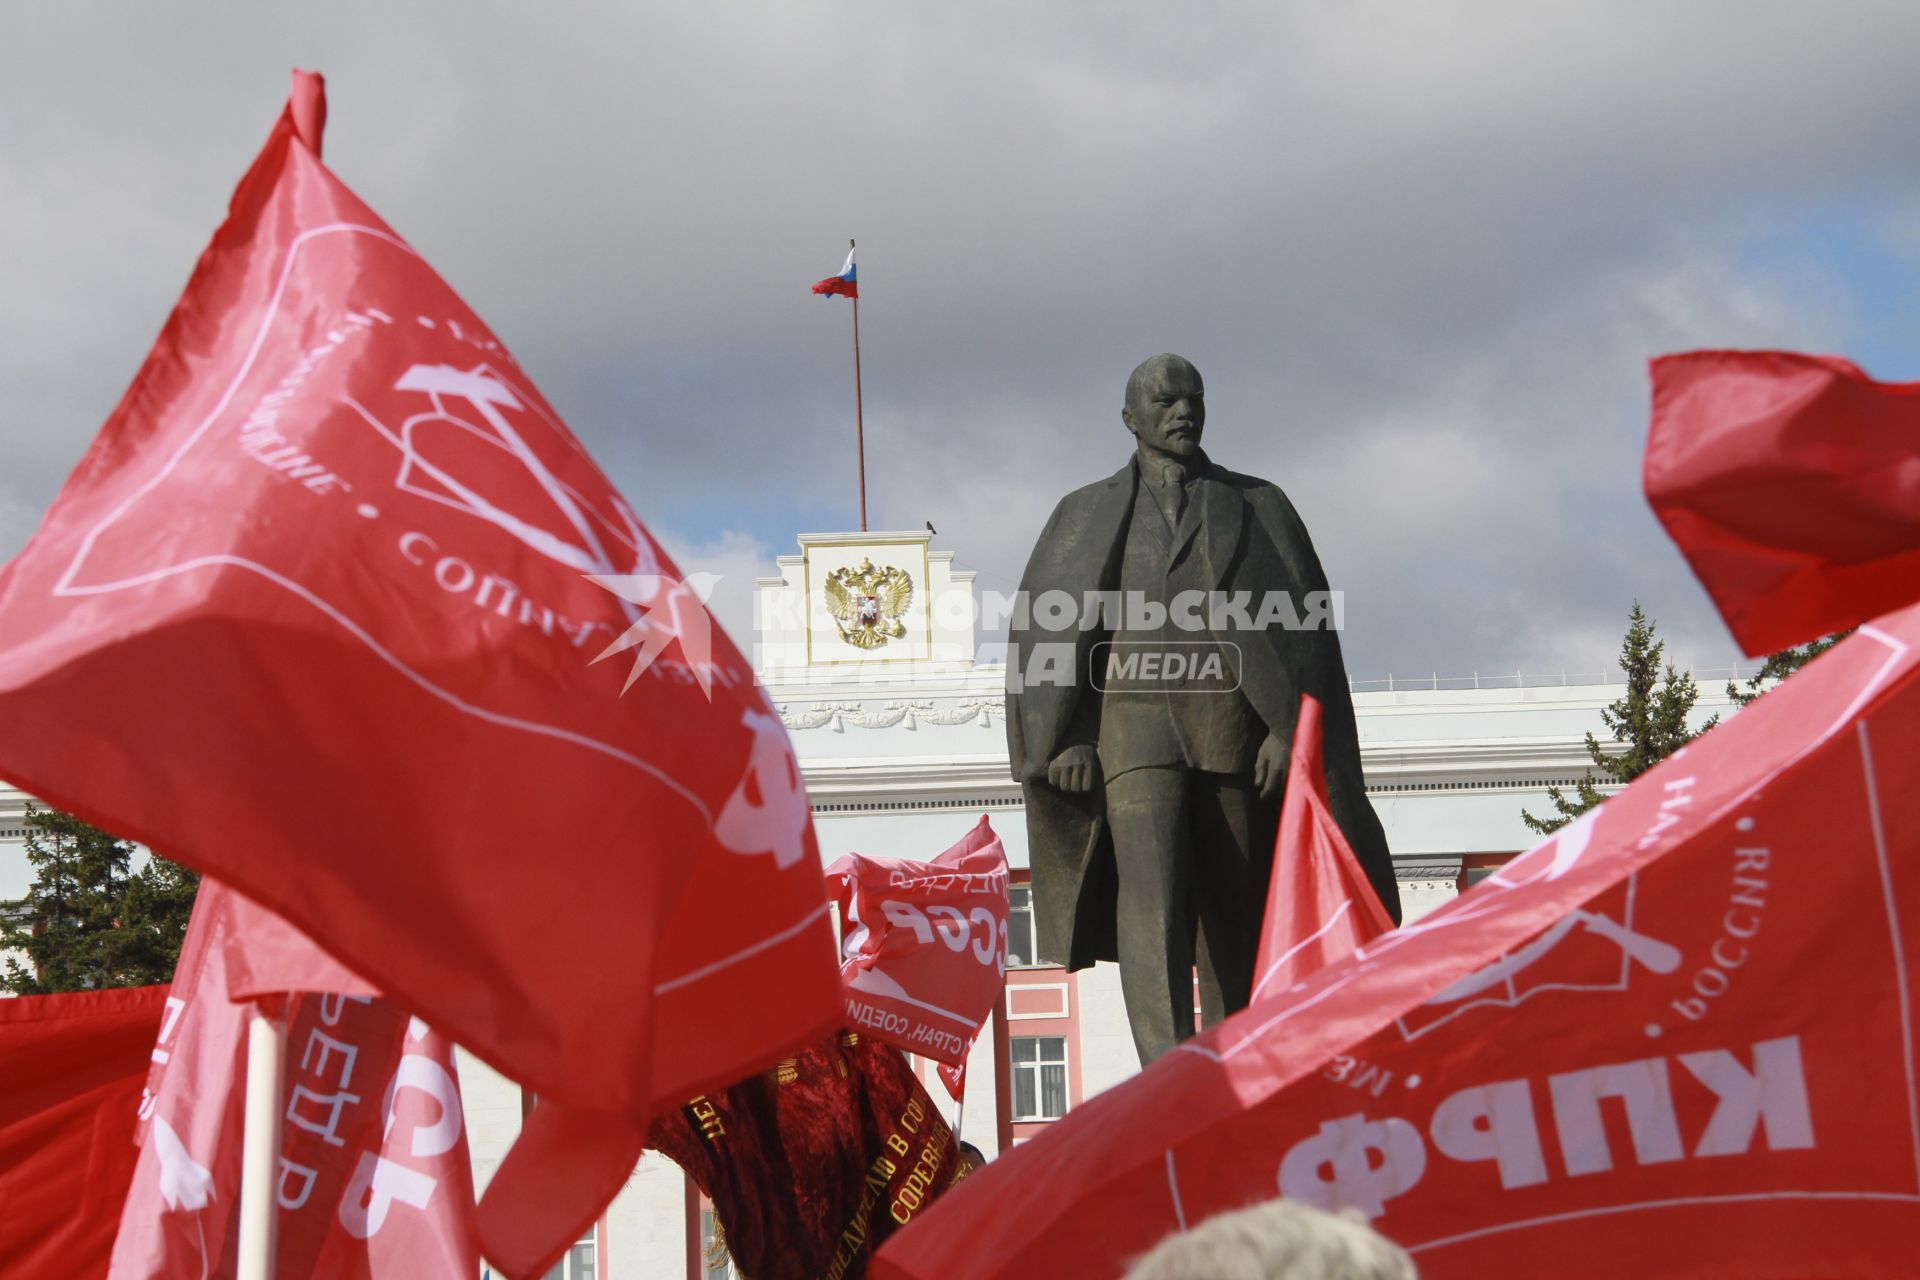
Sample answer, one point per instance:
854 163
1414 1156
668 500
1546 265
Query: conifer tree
90 920
1651 719
1779 666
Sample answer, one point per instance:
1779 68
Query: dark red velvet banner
811 1165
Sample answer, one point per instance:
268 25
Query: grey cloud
1420 258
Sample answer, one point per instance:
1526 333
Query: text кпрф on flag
1676 1038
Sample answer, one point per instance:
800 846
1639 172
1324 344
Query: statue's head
1166 406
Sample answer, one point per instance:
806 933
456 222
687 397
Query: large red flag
1320 905
1674 1039
924 944
373 1177
1792 484
71 1068
317 614
811 1165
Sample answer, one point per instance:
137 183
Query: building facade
868 646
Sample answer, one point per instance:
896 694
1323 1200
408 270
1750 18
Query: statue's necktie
1172 496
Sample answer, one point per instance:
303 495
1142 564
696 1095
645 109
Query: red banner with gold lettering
1677 1038
811 1165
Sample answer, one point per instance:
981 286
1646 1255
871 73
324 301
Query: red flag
1320 905
317 614
178 1218
1791 485
925 945
406 1207
954 1078
810 1166
373 1177
1674 1039
71 1067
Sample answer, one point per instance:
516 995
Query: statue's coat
1252 540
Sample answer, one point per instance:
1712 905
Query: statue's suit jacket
1250 540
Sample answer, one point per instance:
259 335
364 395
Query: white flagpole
260 1146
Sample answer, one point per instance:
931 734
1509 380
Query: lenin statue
1174 613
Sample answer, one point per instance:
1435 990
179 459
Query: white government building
903 746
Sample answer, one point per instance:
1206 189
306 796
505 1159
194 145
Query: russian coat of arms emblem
866 603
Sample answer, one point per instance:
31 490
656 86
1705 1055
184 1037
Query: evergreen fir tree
90 921
1651 719
1779 666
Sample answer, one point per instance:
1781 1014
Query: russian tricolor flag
843 285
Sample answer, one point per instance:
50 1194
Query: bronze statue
1150 724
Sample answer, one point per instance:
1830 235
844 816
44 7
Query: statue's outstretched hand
1075 770
1270 767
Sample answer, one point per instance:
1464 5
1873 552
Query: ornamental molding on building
891 778
1424 867
815 715
908 714
1442 764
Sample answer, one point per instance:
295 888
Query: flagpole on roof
260 1142
859 425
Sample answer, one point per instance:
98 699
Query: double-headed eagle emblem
866 603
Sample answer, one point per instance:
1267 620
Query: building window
1039 1077
718 1263
1021 953
578 1262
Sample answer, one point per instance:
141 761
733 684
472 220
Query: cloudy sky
1419 252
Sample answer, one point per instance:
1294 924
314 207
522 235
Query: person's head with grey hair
1278 1240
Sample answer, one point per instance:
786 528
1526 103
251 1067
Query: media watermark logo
1121 641
1139 642
670 611
1193 612
1178 666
